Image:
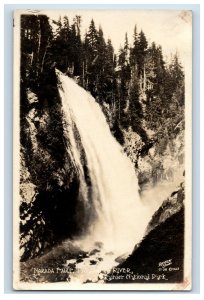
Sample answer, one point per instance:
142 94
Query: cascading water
120 217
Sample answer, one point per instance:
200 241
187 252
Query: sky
171 28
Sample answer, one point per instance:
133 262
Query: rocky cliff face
159 256
158 160
172 205
49 183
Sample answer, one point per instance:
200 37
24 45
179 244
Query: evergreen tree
176 70
124 81
91 54
77 22
76 46
65 26
141 53
134 49
156 98
155 67
99 69
123 59
58 24
135 107
61 44
109 63
126 48
174 87
91 39
67 46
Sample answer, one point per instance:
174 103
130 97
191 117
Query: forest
136 88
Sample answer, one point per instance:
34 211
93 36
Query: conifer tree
134 49
124 79
91 54
141 53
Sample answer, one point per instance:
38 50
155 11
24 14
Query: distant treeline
134 87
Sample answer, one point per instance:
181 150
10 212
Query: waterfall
120 218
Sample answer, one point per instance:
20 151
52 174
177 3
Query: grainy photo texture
102 150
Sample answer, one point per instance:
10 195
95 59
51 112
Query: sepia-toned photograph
102 149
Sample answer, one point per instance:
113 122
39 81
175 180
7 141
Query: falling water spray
120 217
